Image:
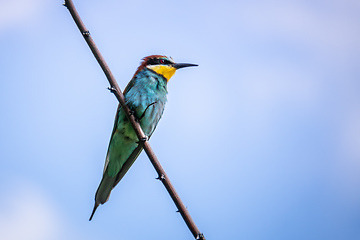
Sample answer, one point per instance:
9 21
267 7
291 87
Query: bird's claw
132 112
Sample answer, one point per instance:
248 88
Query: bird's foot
137 119
132 112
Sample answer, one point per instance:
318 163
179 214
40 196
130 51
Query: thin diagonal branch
140 134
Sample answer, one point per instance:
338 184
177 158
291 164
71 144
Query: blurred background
261 141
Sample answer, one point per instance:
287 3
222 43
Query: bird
146 96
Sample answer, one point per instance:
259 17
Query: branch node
86 34
64 4
161 178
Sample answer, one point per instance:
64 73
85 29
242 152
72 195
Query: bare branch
114 88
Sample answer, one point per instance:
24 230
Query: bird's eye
162 61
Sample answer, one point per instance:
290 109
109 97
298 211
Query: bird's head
162 65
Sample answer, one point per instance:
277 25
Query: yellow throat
165 70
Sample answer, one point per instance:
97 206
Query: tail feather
103 191
108 183
95 207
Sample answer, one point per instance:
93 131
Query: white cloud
26 213
17 12
332 27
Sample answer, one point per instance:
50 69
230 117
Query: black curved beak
182 65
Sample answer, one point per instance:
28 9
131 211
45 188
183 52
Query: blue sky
261 141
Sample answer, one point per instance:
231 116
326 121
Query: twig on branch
114 88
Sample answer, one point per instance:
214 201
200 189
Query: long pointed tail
93 212
103 191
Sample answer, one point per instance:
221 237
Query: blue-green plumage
147 92
145 95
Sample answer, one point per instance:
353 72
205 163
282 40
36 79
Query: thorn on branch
112 89
86 34
142 140
179 210
200 236
161 178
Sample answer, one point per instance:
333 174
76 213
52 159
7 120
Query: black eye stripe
167 61
157 61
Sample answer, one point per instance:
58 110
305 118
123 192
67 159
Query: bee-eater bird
145 95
